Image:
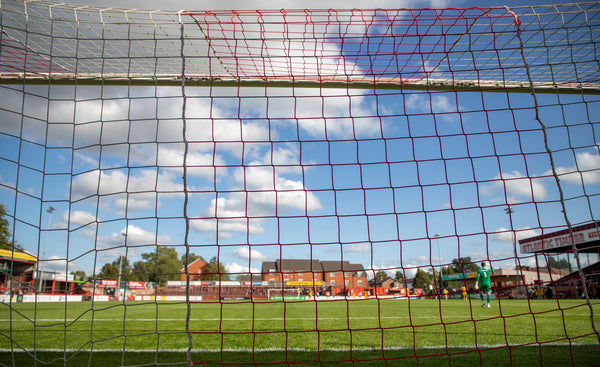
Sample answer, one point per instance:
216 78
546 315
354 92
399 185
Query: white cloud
336 113
359 248
75 218
587 169
268 192
374 269
58 265
506 235
410 272
290 193
141 184
133 202
82 160
417 101
95 182
254 255
516 186
284 156
441 103
138 236
235 268
226 227
110 247
431 103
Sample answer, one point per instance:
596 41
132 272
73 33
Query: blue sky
371 177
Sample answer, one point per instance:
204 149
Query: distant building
17 270
248 278
292 270
195 269
509 277
344 275
334 274
386 283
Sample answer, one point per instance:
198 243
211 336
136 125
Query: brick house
343 274
385 283
292 270
331 274
195 269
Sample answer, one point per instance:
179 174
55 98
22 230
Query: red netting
15 58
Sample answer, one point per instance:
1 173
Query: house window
346 274
331 274
300 274
332 282
359 283
346 283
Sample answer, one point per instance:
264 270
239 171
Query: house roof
341 266
250 278
269 267
17 256
296 265
380 281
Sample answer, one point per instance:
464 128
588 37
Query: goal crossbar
437 85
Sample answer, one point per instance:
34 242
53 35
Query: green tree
79 275
191 258
163 265
422 279
448 270
214 271
380 275
558 264
140 272
6 241
399 276
464 265
111 270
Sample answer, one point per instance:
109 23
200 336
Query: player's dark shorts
484 288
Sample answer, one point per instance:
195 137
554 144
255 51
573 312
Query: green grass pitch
306 333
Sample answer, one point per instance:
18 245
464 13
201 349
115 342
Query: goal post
284 294
160 170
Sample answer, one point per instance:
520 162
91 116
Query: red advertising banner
108 283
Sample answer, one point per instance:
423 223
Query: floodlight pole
509 212
120 268
50 210
437 242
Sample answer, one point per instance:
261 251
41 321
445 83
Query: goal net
162 174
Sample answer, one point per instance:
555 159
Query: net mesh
161 174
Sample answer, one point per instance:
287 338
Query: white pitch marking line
267 319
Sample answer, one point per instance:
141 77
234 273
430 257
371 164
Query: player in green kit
484 283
